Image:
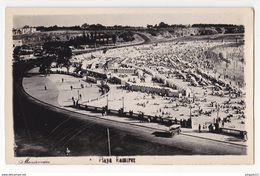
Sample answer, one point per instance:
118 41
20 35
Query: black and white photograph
129 86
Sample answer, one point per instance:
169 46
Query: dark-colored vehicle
174 129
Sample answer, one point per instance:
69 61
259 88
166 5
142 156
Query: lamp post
190 117
107 101
108 141
190 111
217 110
123 103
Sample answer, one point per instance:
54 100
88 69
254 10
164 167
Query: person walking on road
45 88
67 152
199 128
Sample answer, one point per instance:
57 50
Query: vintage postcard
117 86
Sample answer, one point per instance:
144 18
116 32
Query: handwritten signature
28 161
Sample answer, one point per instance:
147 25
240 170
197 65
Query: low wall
66 73
139 116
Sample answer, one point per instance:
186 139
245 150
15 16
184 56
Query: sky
129 19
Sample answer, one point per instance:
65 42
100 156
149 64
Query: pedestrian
67 152
80 96
103 111
45 88
199 128
15 148
62 79
245 136
71 87
72 98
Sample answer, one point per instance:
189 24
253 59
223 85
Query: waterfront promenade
59 94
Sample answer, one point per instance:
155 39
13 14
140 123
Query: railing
138 116
98 98
157 119
66 73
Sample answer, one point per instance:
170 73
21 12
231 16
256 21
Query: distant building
17 43
181 32
172 84
122 70
112 64
152 89
24 30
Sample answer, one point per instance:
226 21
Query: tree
114 39
221 30
149 26
84 35
163 25
64 57
78 68
107 39
85 25
45 64
17 53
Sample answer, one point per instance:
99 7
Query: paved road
196 144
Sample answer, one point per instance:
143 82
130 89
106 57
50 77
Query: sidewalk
66 100
205 134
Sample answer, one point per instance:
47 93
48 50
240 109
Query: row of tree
92 38
56 28
205 28
62 58
99 27
94 27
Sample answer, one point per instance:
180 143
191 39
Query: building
185 91
24 30
152 89
122 70
17 43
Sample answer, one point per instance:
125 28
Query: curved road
196 145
